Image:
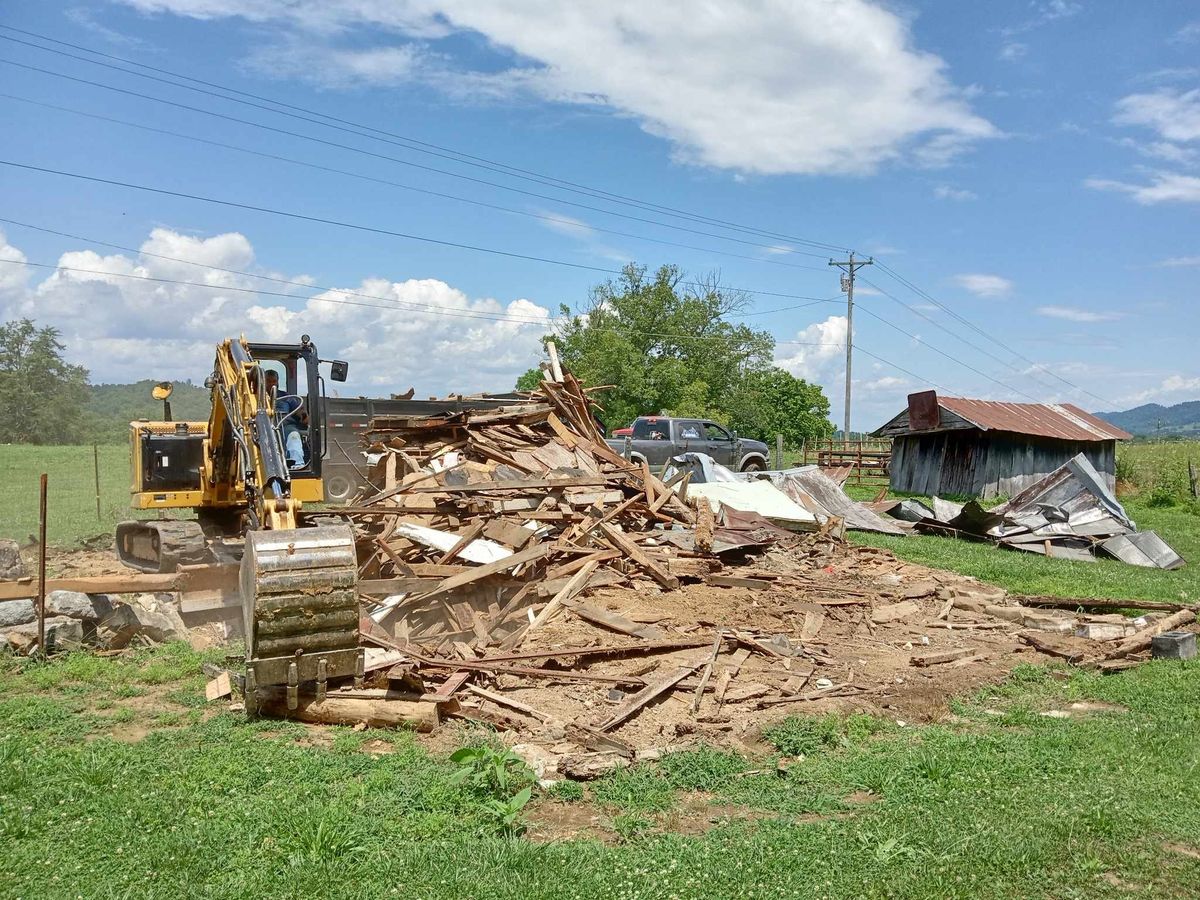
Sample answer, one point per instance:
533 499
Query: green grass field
115 780
71 498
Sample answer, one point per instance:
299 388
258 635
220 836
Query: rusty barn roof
1063 421
1053 420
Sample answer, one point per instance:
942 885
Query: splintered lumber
705 524
532 484
634 704
942 656
1141 640
634 552
1102 603
335 710
219 687
530 672
614 621
495 568
1045 645
602 650
838 690
737 581
730 672
569 590
97 584
707 673
474 531
510 702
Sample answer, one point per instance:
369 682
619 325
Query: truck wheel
338 488
753 465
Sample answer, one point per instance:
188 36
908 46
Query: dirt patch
378 748
699 812
1182 850
1085 708
551 820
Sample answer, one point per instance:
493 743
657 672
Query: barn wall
987 464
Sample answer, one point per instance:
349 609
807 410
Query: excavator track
300 608
162 545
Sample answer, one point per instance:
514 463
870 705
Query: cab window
650 429
690 431
714 432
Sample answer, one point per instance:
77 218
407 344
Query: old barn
985 448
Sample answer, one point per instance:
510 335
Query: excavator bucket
300 605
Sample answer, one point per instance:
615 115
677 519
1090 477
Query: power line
983 350
316 287
394 159
407 142
556 220
369 228
948 356
924 294
393 305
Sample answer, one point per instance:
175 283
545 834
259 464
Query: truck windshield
651 429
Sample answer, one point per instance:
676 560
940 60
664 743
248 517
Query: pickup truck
657 438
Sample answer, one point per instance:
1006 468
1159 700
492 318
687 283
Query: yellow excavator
246 473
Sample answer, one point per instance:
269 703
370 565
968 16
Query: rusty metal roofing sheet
1052 420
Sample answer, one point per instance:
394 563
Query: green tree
42 397
663 345
773 401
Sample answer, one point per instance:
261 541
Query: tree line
664 345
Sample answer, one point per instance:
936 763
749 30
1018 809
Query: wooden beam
539 484
573 586
634 704
634 552
477 572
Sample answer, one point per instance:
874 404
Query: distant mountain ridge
1154 419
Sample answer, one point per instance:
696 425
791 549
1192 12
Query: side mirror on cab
339 369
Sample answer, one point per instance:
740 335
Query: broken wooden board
634 704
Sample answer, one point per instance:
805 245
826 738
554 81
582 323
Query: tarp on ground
807 486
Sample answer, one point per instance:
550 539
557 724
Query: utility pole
849 266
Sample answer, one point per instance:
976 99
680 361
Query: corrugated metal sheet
1065 421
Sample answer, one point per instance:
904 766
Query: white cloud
1075 314
1172 389
1174 114
1178 262
828 87
395 333
576 228
818 347
983 285
1164 187
13 276
1044 13
947 192
1011 51
1188 34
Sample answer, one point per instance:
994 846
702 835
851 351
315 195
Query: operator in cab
292 418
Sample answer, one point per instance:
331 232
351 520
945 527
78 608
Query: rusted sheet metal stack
486 522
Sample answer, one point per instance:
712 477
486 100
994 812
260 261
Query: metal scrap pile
1069 514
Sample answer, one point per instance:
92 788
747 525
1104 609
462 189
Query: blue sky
1033 167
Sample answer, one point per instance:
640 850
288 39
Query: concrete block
1173 645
